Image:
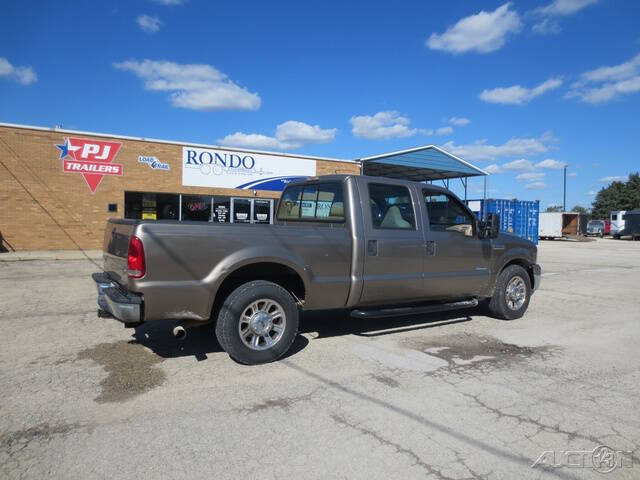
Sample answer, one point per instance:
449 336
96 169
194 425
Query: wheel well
524 264
277 273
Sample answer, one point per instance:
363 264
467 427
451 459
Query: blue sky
518 88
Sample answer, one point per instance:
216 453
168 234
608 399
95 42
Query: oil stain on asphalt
132 370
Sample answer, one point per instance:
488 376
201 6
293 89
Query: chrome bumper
122 305
537 277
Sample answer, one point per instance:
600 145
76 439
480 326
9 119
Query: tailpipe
179 332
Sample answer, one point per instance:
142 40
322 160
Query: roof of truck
343 177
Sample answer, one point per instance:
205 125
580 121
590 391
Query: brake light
136 267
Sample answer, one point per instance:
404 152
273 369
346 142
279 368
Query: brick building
58 187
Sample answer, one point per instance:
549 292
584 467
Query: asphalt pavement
450 396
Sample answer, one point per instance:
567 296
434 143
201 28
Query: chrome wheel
516 293
262 324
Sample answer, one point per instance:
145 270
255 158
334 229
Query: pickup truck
374 246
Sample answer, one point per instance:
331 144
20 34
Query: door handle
372 248
431 248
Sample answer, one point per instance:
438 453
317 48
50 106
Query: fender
511 253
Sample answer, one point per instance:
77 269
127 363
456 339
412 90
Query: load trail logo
93 159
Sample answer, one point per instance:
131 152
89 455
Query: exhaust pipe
179 332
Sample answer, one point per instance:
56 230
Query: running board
414 310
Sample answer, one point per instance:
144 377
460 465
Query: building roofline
424 147
172 142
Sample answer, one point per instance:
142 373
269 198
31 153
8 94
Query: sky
519 88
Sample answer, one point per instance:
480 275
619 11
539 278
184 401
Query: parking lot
455 395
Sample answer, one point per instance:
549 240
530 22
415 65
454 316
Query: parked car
378 247
596 228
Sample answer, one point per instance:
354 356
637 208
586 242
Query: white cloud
517 95
548 26
522 164
22 75
169 3
194 86
535 186
149 24
514 147
606 83
483 32
459 121
531 176
557 8
572 174
563 8
613 178
550 163
289 135
382 125
592 192
493 168
444 131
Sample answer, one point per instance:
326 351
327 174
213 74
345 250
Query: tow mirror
492 225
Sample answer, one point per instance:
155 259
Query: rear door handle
372 248
431 248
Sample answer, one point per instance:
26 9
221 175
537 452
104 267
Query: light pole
564 194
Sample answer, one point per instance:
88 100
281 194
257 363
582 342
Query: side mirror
492 225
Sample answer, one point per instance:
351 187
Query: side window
614 217
316 202
391 207
446 214
289 208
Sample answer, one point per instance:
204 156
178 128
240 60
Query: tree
554 208
617 196
579 209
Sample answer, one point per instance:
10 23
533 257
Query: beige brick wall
43 208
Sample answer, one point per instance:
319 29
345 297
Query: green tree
554 208
617 196
579 209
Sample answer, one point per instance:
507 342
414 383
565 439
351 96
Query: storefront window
261 211
151 206
221 209
196 208
241 210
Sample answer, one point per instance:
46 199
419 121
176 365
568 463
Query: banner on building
204 167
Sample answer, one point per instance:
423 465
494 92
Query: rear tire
511 294
257 322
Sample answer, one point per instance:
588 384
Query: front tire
511 294
257 322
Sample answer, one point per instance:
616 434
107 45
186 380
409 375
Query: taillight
135 260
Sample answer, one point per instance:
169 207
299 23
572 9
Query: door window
261 211
241 210
446 214
316 202
391 207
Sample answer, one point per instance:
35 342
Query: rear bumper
112 298
537 276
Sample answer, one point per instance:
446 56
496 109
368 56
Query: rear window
391 207
322 202
614 217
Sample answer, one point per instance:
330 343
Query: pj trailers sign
249 171
93 159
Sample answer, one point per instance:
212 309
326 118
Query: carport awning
419 164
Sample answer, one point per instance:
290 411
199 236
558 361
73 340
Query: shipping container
519 217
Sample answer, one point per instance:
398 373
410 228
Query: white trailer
561 224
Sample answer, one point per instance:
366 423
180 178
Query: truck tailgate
116 247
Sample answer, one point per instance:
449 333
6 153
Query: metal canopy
420 164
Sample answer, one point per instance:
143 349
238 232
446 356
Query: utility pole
564 196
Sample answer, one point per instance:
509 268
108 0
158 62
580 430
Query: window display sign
203 167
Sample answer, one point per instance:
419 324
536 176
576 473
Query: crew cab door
457 262
394 244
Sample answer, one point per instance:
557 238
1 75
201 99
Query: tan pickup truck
374 246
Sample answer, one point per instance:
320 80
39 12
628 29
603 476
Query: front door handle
372 248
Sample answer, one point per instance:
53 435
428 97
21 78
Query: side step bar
413 310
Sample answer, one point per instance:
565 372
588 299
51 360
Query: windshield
595 223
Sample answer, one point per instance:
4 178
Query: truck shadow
202 341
